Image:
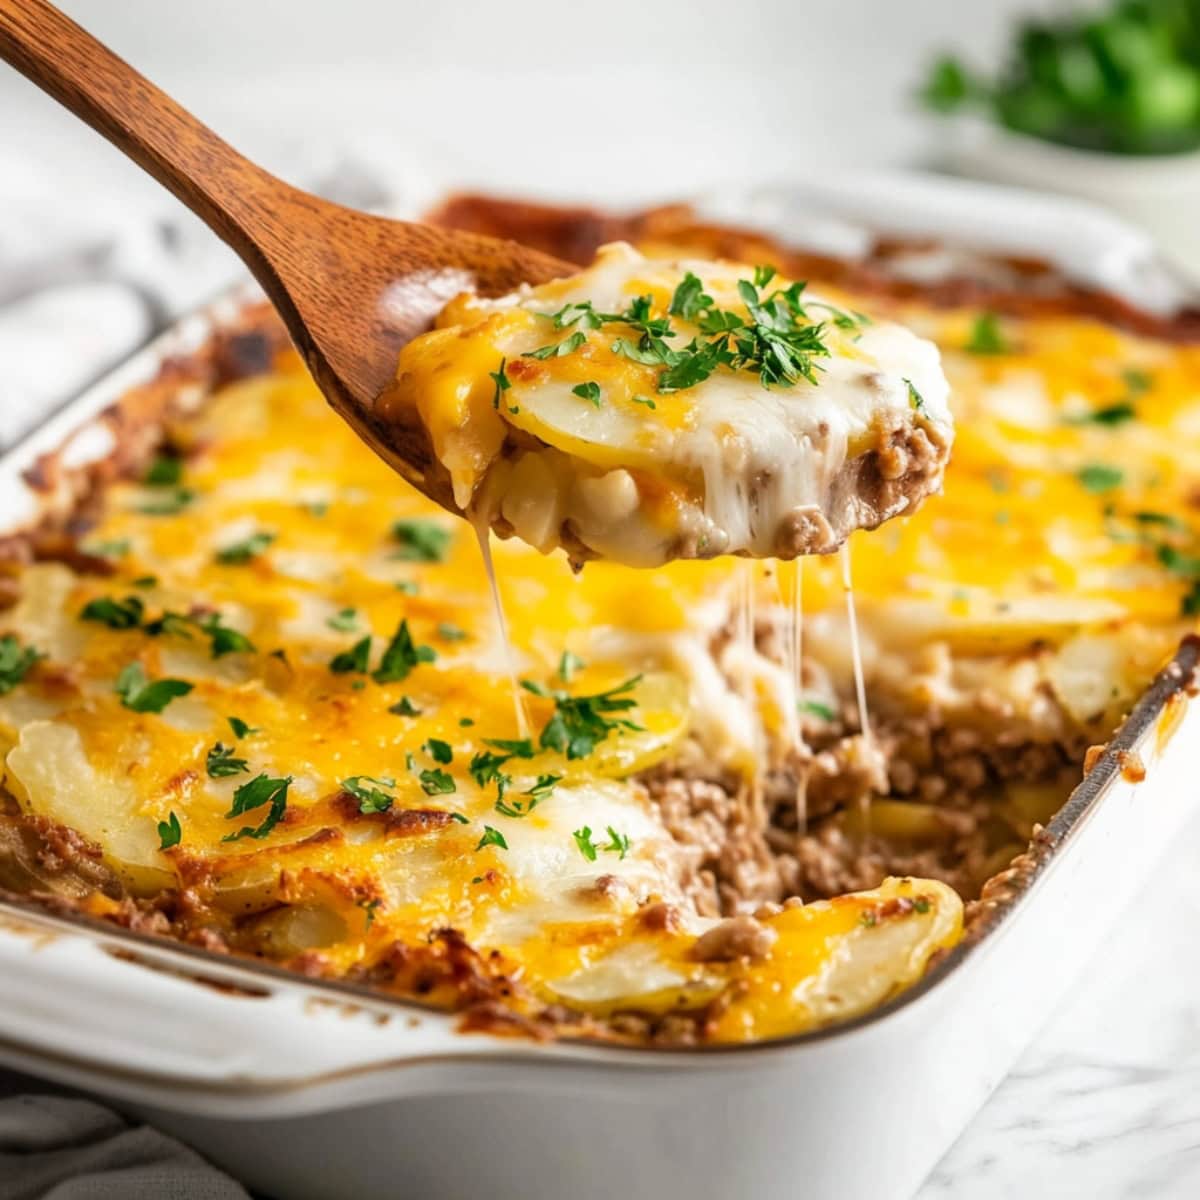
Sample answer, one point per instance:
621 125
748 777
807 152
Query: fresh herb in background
370 799
1098 478
1124 80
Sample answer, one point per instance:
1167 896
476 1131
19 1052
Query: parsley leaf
240 728
221 762
915 399
449 632
690 299
142 696
559 349
370 799
580 722
401 656
588 391
568 664
421 541
501 380
439 751
987 337
344 620
245 550
116 614
357 658
165 471
259 791
1111 414
436 782
583 839
618 842
1098 478
223 639
522 808
169 832
404 707
816 708
112 548
492 837
643 400
167 505
513 747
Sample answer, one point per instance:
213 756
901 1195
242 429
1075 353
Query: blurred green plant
1125 80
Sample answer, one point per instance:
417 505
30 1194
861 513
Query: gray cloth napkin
63 1147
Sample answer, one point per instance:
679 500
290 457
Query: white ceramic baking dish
311 1090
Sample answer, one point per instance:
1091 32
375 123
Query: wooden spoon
351 288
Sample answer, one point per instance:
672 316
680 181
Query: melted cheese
641 475
1021 583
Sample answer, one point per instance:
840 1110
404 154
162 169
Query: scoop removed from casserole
647 410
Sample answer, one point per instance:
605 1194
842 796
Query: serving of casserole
256 695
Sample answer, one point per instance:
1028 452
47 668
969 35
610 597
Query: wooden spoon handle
208 175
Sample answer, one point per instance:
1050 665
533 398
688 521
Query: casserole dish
738 1127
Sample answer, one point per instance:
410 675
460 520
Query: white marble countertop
1105 1104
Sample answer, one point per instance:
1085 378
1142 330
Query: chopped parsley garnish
245 550
522 808
316 508
116 614
816 708
580 722
401 656
222 763
169 832
112 548
775 340
344 620
568 664
690 299
404 707
559 349
583 839
618 843
369 907
357 658
146 581
421 541
1111 414
484 768
1137 381
513 747
643 400
439 751
259 791
501 380
987 337
143 696
449 632
915 399
1166 520
465 722
165 471
407 587
168 504
223 639
492 837
588 391
1098 478
240 728
436 782
370 799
